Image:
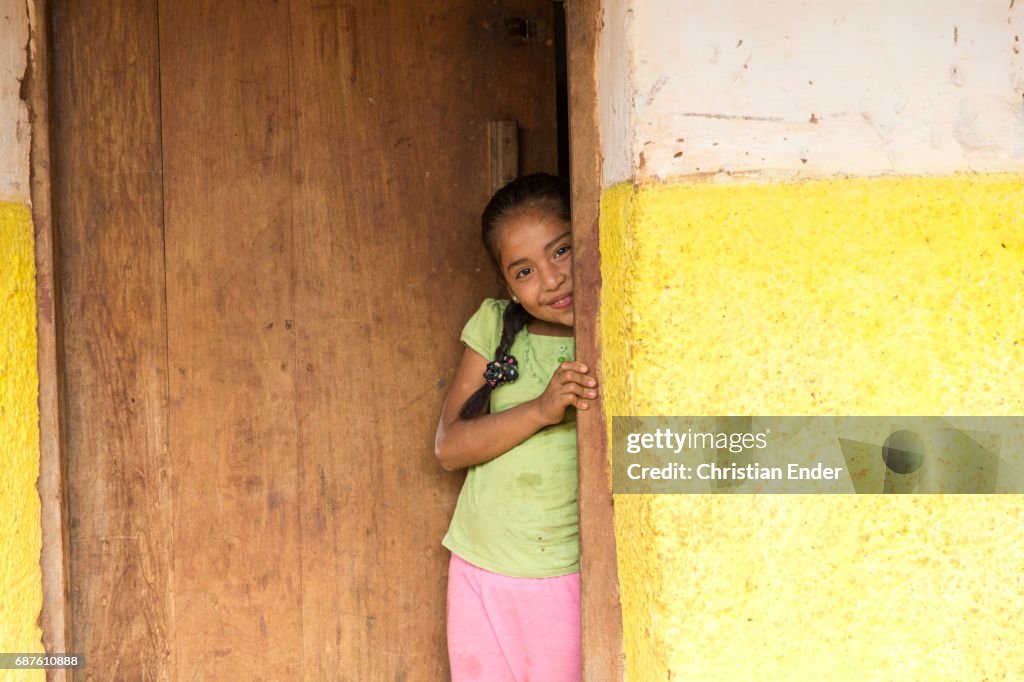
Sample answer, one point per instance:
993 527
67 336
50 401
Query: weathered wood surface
603 655
54 620
314 174
231 349
390 175
109 207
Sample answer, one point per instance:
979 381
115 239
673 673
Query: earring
515 300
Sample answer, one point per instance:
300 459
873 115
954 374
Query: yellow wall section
21 594
641 583
858 296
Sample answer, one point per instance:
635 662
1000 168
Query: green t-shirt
517 514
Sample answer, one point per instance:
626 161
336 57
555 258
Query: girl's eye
523 273
562 250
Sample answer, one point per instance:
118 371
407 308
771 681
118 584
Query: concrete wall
812 89
20 576
615 91
823 215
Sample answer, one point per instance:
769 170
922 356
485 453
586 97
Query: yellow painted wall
898 295
21 594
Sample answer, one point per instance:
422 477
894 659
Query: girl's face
535 256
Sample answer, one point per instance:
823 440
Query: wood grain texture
603 654
323 165
504 152
230 300
392 101
109 210
55 618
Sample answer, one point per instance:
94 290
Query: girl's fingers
574 394
570 386
572 389
569 376
574 366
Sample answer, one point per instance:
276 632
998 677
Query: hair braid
512 322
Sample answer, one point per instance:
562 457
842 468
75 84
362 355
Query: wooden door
268 224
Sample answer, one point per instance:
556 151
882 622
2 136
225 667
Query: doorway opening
225 281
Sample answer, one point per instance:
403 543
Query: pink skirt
503 629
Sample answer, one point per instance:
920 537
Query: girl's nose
554 277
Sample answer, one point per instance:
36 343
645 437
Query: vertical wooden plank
603 655
224 68
503 138
109 210
55 617
392 101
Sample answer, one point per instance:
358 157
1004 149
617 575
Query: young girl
513 582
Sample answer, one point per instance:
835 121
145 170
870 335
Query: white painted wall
814 88
15 135
615 91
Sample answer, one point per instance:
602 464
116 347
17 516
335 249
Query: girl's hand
570 385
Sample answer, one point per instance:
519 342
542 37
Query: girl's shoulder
483 330
493 306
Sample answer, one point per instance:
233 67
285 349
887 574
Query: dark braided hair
539 191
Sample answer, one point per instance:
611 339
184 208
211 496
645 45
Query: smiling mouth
561 303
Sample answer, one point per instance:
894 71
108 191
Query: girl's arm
463 442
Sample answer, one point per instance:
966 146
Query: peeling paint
658 85
735 117
747 74
615 91
968 132
956 76
14 150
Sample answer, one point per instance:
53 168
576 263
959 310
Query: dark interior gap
561 89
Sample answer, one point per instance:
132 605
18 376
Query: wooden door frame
603 655
601 615
55 617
